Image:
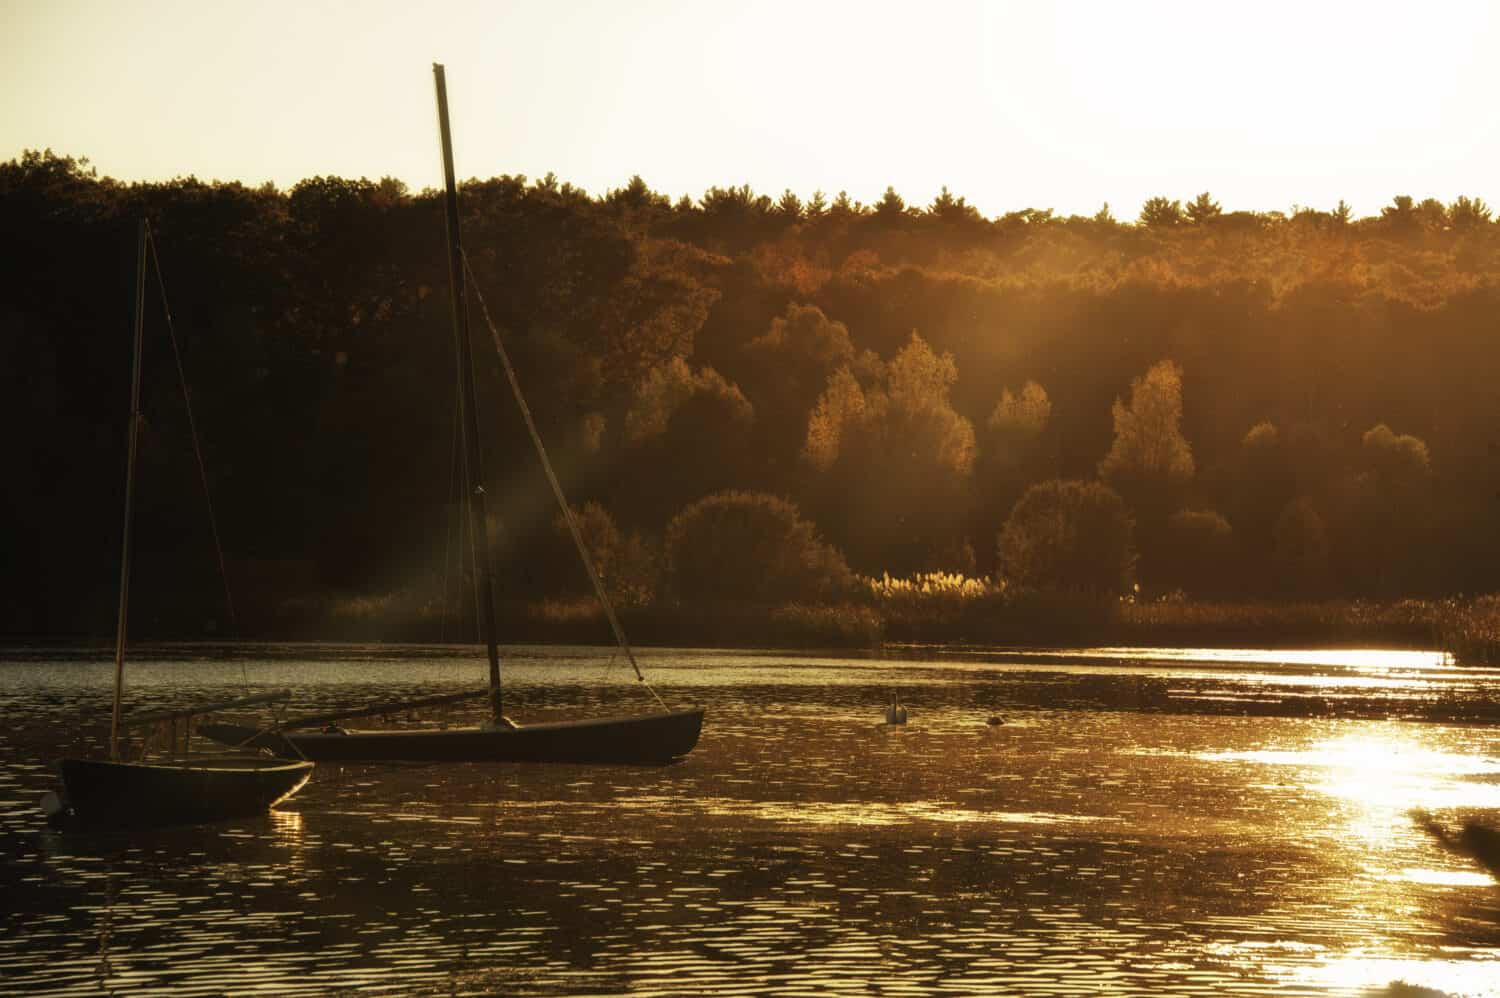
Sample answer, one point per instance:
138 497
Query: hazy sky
1012 105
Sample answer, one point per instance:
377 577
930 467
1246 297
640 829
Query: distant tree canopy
1323 385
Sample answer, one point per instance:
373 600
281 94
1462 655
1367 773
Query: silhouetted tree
1149 450
1203 209
1161 213
1014 452
1301 550
788 368
1467 213
628 564
1199 553
1069 535
746 546
891 207
1150 462
684 431
1400 215
904 456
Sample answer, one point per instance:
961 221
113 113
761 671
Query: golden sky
1012 105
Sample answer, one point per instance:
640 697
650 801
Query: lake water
1142 822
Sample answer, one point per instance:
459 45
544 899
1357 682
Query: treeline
1233 404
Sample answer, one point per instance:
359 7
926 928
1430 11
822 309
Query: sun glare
1385 775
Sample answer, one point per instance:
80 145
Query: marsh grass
1470 629
933 608
940 608
787 625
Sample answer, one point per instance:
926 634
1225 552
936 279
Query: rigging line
562 501
187 402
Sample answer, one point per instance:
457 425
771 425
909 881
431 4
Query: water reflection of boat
123 792
646 738
1478 841
1483 843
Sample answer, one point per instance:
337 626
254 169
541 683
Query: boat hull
130 793
649 739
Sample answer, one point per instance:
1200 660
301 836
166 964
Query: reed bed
933 608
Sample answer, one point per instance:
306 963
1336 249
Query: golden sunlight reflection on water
1477 976
1368 659
1387 770
1371 782
1449 878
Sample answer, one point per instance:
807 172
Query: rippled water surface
1142 822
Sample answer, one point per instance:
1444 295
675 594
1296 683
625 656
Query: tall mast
470 416
135 426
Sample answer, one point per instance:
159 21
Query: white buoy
896 712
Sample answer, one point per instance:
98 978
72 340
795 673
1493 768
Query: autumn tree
1014 451
683 436
627 563
786 369
750 547
654 312
1149 453
1150 462
1263 482
897 460
1381 530
1399 461
1069 535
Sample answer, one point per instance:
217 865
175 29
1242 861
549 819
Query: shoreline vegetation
783 422
935 609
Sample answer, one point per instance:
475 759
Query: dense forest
747 397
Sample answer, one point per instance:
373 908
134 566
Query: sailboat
639 739
123 792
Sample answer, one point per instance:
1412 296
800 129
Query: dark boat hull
650 739
129 793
